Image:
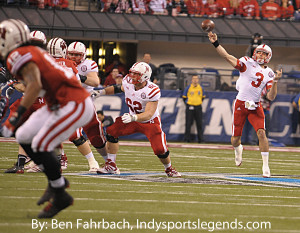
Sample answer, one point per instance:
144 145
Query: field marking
106 200
163 192
187 145
200 178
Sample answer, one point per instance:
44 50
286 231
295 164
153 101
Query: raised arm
221 51
271 95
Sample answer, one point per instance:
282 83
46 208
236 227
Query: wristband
216 43
82 78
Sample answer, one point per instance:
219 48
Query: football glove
96 93
127 118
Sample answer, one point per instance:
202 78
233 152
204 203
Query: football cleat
266 171
94 166
61 200
171 172
64 161
238 155
109 167
34 168
15 169
50 192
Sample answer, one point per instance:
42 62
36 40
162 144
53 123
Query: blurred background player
142 98
255 75
68 108
88 70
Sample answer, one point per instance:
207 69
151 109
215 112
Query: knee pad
164 156
79 141
100 147
112 139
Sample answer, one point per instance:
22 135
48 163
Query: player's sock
265 158
58 183
167 165
21 160
90 157
112 157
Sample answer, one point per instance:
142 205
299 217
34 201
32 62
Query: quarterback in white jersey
141 96
255 75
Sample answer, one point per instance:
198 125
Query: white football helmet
143 69
39 36
57 47
263 48
13 33
76 48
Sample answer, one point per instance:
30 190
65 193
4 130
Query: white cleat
171 172
109 167
266 171
94 166
238 155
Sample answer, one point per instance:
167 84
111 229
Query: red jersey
59 84
249 8
270 9
68 64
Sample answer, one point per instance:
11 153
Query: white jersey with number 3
137 100
86 67
253 78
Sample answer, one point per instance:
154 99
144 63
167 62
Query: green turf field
212 194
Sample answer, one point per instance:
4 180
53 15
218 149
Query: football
207 25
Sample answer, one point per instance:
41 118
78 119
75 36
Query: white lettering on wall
221 116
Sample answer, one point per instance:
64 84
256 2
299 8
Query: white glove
96 93
6 132
127 118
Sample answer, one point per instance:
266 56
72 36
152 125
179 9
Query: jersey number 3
258 81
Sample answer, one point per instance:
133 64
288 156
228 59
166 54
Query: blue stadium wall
217 109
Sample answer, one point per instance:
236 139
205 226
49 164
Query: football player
57 47
37 38
94 130
68 107
255 75
141 96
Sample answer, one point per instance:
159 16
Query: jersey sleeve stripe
154 94
153 90
20 62
94 67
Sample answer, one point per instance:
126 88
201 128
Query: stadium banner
217 117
